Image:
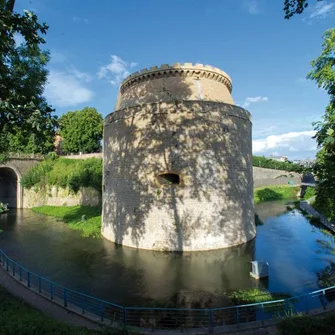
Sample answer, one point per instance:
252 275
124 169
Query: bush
310 192
62 172
303 325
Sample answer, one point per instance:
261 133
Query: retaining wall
265 177
53 196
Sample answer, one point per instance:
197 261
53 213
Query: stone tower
177 162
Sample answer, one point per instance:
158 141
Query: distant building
279 158
305 162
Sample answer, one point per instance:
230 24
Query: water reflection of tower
162 276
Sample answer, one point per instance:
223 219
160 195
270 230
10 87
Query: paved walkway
42 304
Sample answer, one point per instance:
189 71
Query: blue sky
95 44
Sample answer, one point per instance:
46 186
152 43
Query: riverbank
85 219
275 192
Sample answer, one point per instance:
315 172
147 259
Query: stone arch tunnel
11 190
9 187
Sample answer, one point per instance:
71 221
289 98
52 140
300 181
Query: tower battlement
178 69
166 83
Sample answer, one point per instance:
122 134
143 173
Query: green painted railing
165 318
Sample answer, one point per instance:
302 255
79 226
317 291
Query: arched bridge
11 172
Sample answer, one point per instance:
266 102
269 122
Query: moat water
295 249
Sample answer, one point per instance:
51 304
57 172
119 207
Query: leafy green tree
23 73
292 7
81 130
21 140
323 73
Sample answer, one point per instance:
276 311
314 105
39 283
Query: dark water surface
295 250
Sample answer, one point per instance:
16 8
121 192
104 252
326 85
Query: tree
292 7
21 140
323 73
23 73
81 130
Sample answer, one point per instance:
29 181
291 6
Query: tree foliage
323 73
81 131
23 141
23 75
292 7
268 163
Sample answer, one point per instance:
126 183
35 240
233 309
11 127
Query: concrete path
47 307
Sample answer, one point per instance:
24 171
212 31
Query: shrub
62 172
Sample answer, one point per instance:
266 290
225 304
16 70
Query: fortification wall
265 177
212 206
84 156
54 196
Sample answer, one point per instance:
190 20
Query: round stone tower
177 171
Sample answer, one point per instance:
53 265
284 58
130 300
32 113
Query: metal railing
146 318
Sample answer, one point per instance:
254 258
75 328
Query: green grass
310 192
307 325
271 193
254 295
89 226
17 317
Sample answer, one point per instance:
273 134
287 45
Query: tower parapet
184 81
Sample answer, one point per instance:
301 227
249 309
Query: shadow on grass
267 194
82 213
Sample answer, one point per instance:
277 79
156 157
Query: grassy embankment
279 192
17 317
91 224
85 219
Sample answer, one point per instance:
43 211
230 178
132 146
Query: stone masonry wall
266 177
60 197
208 145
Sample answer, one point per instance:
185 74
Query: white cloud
116 70
252 6
80 19
80 75
293 143
67 88
251 100
321 10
